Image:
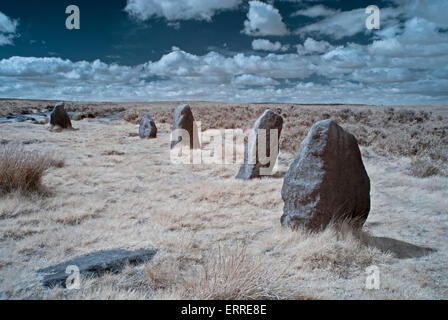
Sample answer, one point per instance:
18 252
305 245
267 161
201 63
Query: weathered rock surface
147 127
327 180
254 164
95 264
59 117
183 120
31 141
35 118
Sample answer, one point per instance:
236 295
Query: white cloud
7 25
173 10
8 29
183 64
264 19
5 40
419 38
355 74
316 11
435 11
266 45
312 46
406 63
251 80
343 24
347 23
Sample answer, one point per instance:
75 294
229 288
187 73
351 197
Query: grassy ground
218 237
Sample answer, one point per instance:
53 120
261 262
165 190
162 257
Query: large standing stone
147 128
59 117
95 264
327 180
183 120
250 169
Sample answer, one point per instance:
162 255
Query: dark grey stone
183 120
95 264
327 180
35 118
59 117
250 169
147 128
31 141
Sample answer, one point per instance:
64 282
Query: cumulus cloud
251 80
266 45
432 10
405 63
8 29
419 38
354 73
312 46
173 10
408 60
264 19
183 64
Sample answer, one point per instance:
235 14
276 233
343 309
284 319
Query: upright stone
258 162
147 128
59 117
183 122
327 180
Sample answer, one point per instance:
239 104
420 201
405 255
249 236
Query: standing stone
59 117
183 120
147 128
327 180
250 169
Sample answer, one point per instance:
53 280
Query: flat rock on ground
95 264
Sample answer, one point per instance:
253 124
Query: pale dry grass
217 237
230 273
22 170
424 167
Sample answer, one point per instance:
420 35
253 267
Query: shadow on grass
400 249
